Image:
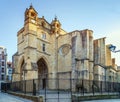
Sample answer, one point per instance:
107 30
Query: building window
43 36
43 47
7 77
2 77
110 77
32 14
2 52
2 63
2 70
2 57
9 71
43 24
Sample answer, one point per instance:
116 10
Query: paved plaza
4 97
105 100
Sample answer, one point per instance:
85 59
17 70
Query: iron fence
61 89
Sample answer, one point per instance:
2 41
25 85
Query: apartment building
9 71
3 63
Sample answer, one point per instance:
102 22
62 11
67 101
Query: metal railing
62 89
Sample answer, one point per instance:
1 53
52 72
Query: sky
101 16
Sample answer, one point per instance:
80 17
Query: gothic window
58 25
43 24
43 47
43 36
64 49
32 14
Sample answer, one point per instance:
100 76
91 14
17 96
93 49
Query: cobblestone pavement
4 97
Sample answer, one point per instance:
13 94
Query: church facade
45 51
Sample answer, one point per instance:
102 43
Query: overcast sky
101 16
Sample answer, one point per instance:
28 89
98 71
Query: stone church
45 50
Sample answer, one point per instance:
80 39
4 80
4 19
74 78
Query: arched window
32 14
43 47
43 36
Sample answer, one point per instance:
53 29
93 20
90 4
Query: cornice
44 40
30 47
20 42
20 53
20 31
44 53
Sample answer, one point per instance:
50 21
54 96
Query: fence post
71 86
34 88
101 87
5 88
108 88
83 87
11 86
116 87
24 86
45 91
58 89
93 87
20 86
119 89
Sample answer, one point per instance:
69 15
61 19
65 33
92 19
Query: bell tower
31 15
30 39
30 29
56 26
